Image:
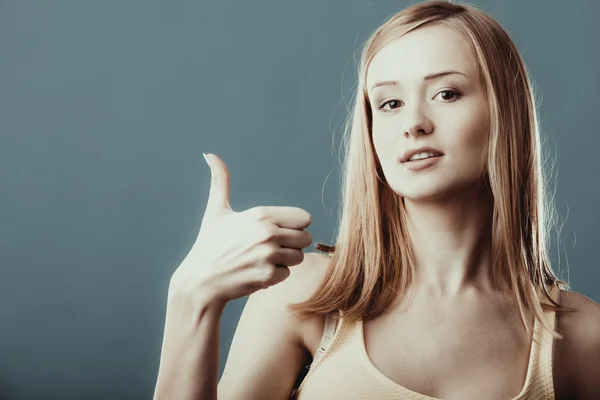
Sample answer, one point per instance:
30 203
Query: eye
454 94
382 105
450 95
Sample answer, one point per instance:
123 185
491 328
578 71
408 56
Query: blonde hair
372 260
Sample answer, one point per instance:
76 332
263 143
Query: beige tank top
341 369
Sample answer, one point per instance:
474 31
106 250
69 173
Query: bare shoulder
583 325
310 330
305 278
577 356
268 350
303 281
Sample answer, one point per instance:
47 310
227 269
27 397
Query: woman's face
447 113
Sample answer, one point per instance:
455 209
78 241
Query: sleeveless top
341 369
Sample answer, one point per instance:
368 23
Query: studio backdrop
107 106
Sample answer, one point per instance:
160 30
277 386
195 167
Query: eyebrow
429 77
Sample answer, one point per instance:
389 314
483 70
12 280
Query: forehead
425 50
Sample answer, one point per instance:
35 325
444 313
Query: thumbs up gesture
238 253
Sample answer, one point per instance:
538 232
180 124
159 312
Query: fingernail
206 159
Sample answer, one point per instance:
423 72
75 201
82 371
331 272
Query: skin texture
449 211
576 363
449 220
448 113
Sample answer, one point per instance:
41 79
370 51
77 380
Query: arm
267 351
189 359
266 354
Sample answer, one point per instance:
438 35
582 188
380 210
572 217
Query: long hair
372 261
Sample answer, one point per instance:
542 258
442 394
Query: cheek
472 127
474 138
384 148
472 143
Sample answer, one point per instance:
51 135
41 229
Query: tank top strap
539 381
331 320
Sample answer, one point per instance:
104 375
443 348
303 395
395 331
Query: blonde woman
439 284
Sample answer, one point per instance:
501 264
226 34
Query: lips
411 152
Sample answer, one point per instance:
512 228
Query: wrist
195 301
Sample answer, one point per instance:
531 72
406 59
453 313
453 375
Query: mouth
419 158
422 162
421 153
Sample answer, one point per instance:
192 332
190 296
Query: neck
451 241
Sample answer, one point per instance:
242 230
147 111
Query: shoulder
579 351
583 325
270 338
311 272
301 284
304 280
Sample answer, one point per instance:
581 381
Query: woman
440 276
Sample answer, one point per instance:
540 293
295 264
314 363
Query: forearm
189 361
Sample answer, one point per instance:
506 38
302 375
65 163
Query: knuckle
259 213
265 274
253 213
267 233
268 251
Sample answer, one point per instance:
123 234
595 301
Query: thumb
218 197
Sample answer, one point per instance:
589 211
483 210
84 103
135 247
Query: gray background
106 107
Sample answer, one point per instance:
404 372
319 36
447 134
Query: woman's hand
238 253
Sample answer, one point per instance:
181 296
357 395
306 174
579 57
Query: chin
433 191
421 196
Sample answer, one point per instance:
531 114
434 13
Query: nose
416 122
